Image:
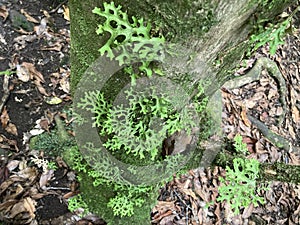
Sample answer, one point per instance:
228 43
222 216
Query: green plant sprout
238 188
52 166
273 34
123 203
143 47
131 129
76 203
239 145
6 72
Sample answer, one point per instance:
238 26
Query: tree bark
213 29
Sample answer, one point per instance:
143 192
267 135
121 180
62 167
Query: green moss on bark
98 197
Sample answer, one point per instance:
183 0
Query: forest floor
34 48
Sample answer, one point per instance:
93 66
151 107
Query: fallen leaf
167 220
295 160
44 124
53 100
34 74
28 17
295 114
45 177
39 86
4 118
12 129
64 83
244 116
66 13
13 164
3 12
292 131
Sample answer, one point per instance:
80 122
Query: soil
38 56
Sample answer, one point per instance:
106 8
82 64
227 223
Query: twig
6 92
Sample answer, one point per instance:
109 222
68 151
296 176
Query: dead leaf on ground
28 17
163 209
64 83
22 73
45 177
3 12
22 40
13 164
6 143
12 129
295 114
7 124
4 118
27 71
294 159
244 116
66 13
19 212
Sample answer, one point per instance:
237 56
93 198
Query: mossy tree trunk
215 30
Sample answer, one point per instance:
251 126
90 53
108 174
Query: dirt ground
34 47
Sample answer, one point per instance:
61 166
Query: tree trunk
213 29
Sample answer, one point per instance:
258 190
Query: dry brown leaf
28 17
65 84
272 93
4 118
13 164
39 86
12 129
17 191
295 114
44 124
66 13
34 73
244 116
294 96
29 173
24 209
200 216
218 211
292 131
163 209
295 160
3 12
29 204
45 177
167 220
